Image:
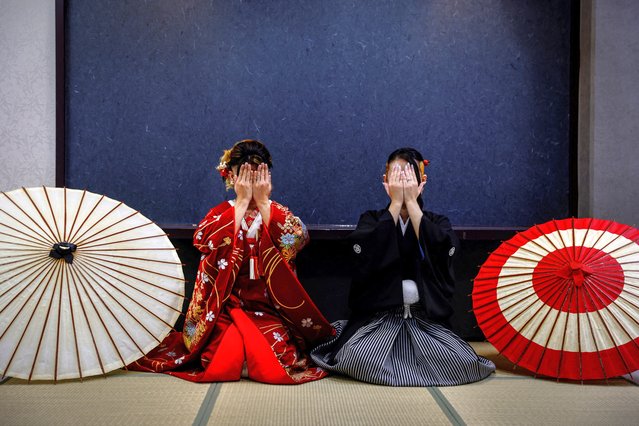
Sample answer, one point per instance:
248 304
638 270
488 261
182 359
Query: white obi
409 291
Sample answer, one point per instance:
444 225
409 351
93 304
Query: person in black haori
402 284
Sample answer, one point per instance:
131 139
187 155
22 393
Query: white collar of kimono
251 232
403 225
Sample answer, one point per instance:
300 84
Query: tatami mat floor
509 397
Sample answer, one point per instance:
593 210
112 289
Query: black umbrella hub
64 251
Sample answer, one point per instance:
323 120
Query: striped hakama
396 349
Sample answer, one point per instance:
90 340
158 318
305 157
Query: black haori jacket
384 257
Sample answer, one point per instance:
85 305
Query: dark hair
412 157
249 151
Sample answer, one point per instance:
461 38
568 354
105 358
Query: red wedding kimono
247 306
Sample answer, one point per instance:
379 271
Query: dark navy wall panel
156 90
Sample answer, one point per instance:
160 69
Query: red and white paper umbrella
562 299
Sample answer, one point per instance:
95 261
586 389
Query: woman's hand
262 191
393 185
412 188
261 184
243 185
243 191
395 190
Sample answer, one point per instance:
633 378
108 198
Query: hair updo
245 151
412 157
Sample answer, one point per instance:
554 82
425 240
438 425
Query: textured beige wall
27 93
585 120
609 111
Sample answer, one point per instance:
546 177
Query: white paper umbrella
87 284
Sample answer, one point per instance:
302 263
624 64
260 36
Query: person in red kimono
249 315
